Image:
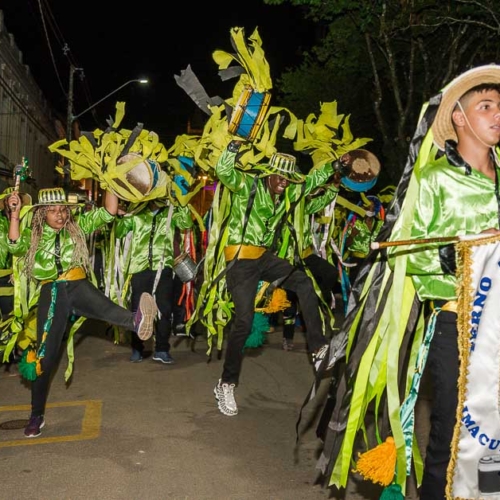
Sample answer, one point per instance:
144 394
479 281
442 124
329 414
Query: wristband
234 146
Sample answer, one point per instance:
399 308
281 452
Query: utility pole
69 117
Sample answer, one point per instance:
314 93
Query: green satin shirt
265 215
45 259
151 238
313 205
360 244
5 256
449 203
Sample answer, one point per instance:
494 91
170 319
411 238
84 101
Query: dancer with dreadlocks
55 255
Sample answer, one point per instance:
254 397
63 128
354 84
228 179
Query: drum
185 267
144 176
360 170
249 113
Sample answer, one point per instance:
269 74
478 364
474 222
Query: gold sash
245 252
77 273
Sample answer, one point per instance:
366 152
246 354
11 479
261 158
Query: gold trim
308 251
77 273
450 306
245 252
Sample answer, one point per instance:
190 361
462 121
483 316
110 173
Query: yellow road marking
91 423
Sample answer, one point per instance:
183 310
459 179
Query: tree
382 59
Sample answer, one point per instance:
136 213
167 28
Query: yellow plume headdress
126 162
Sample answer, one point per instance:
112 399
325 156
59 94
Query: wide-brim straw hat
442 127
284 165
25 197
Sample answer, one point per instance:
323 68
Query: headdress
442 128
283 165
25 197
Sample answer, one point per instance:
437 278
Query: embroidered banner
474 469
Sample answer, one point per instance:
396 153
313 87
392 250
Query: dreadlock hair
80 257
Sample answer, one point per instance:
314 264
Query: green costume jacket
5 255
45 259
265 215
360 245
313 205
151 237
470 208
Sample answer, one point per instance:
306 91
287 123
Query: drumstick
384 244
422 241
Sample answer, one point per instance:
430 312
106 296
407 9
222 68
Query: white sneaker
224 394
319 356
145 316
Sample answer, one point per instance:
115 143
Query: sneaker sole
169 362
36 435
223 409
149 309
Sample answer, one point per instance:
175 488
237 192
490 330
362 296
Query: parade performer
359 232
258 204
6 271
448 189
307 257
53 254
150 259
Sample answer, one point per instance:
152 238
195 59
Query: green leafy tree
382 59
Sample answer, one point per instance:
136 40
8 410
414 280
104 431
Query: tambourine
249 113
359 170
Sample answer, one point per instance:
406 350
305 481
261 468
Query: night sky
116 41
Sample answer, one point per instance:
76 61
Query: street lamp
138 80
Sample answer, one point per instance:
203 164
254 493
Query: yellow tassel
379 464
277 302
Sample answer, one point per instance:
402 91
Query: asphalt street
131 431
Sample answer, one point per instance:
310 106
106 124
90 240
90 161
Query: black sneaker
32 430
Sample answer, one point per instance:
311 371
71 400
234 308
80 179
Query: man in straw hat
446 190
458 194
259 203
55 256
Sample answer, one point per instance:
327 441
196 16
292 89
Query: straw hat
25 197
283 165
442 127
53 196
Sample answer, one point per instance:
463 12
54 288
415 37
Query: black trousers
80 298
242 282
443 367
6 301
326 276
164 296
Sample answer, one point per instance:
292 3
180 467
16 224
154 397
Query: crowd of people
269 237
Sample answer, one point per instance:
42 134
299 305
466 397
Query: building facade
27 122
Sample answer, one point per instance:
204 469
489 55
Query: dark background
114 42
